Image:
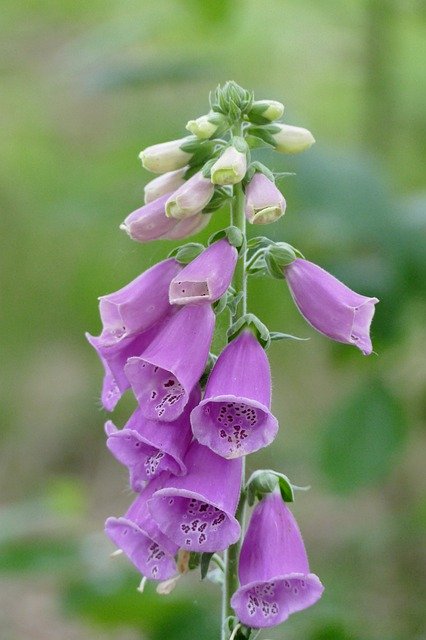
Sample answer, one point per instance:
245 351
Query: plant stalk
230 584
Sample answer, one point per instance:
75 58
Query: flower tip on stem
141 586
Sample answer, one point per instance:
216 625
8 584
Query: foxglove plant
200 414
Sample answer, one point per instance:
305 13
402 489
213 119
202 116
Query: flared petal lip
166 544
137 436
133 382
193 495
310 578
273 427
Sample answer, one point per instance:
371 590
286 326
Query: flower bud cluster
198 415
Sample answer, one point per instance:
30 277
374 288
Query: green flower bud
206 126
264 111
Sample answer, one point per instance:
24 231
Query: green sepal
277 335
194 560
264 133
211 361
239 144
258 167
284 174
258 241
255 142
204 151
206 170
218 199
186 253
233 234
204 563
233 302
264 481
252 322
277 256
191 145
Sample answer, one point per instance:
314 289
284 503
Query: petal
167 371
206 278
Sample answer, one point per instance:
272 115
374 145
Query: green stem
230 584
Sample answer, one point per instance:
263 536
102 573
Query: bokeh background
85 86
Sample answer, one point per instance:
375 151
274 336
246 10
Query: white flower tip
166 587
141 586
116 553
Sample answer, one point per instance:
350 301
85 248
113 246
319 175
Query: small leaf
187 252
277 335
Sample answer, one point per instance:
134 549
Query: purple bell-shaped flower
149 447
273 568
139 537
151 223
140 304
197 511
166 372
234 418
113 354
207 277
329 305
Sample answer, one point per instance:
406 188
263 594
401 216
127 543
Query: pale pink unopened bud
230 168
291 139
165 183
166 156
264 201
190 198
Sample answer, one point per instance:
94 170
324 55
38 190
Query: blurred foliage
84 88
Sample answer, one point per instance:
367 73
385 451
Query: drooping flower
230 167
188 226
330 306
165 183
149 447
166 156
264 201
151 223
166 372
141 303
197 511
290 139
273 568
138 536
190 198
234 418
207 277
113 353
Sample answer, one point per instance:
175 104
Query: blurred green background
85 86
